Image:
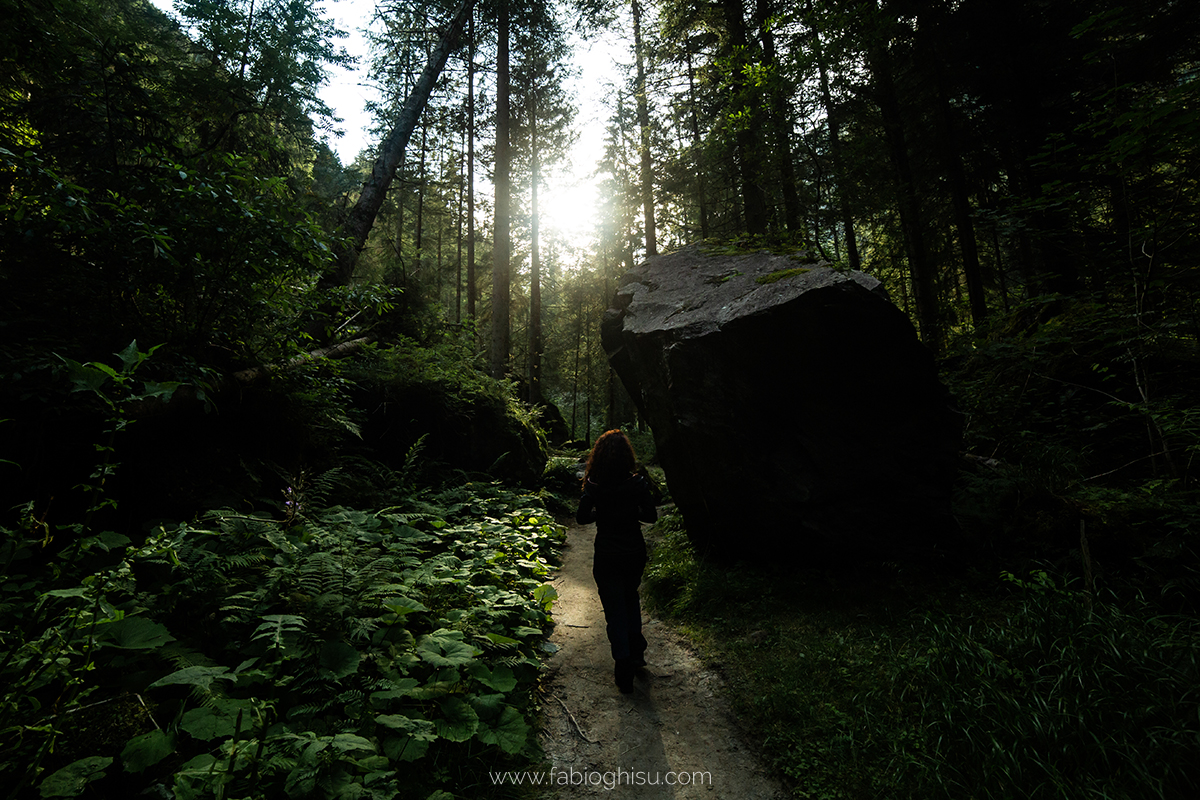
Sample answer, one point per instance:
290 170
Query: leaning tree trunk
362 216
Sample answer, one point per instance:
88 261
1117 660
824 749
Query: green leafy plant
883 681
325 649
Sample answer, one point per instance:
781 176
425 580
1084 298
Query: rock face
796 414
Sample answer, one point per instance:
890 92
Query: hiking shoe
624 675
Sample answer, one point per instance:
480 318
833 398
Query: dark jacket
618 512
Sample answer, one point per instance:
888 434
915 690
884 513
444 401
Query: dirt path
672 738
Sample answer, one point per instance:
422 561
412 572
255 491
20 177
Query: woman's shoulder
624 488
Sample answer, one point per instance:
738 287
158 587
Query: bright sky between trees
568 202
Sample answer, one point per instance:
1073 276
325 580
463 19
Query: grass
884 682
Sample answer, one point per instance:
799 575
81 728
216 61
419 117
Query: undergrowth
316 650
349 653
886 683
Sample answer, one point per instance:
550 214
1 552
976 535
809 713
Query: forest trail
675 728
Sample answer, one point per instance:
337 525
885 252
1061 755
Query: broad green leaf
420 728
487 705
71 780
111 540
130 356
245 665
154 389
86 377
409 532
525 630
436 687
194 676
346 742
545 595
500 678
405 748
339 659
208 723
147 750
136 633
496 638
458 721
401 688
78 591
510 731
402 605
200 765
445 648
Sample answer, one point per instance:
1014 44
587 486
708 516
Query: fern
409 471
275 629
305 609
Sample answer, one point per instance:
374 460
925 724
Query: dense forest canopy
1022 176
973 155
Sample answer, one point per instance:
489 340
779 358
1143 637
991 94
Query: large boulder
796 415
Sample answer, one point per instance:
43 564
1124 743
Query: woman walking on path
618 501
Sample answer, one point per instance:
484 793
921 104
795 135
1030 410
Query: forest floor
673 737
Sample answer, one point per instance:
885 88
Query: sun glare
569 203
569 209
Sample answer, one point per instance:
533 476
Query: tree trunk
472 291
697 147
246 42
960 200
360 219
501 279
919 264
780 122
535 278
835 149
754 201
458 253
643 115
419 223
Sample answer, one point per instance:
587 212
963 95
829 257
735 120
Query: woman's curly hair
611 461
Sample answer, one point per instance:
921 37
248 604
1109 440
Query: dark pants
617 580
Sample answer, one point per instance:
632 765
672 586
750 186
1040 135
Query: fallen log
339 350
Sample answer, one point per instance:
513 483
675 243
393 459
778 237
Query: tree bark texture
754 202
832 116
472 291
535 276
919 264
501 279
643 115
360 219
780 119
960 200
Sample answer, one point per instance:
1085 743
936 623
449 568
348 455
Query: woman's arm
587 510
647 512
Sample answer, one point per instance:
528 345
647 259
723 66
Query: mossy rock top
702 291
